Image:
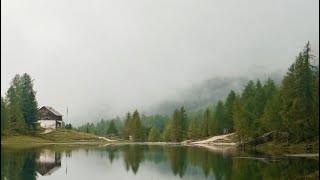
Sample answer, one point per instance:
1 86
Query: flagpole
67 116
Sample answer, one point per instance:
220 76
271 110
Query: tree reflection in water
178 159
133 156
184 162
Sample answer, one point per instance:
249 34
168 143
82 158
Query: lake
147 162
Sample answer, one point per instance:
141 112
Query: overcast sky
108 57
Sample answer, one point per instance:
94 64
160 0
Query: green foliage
127 126
229 106
28 101
205 123
242 120
166 133
259 100
68 126
5 121
177 127
101 128
218 124
21 105
112 130
271 119
158 121
154 135
183 119
137 127
299 93
14 105
194 131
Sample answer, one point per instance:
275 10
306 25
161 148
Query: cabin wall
48 124
45 114
47 156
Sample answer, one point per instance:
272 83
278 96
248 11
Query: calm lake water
148 162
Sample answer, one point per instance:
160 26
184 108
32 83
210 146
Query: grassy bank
311 145
279 148
57 136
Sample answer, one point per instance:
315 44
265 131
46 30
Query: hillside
57 136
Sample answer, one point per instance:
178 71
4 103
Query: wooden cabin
49 118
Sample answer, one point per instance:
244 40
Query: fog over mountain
104 58
207 93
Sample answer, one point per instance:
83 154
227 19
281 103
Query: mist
104 58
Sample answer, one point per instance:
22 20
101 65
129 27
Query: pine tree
175 127
259 100
154 135
298 97
138 130
22 103
269 88
184 123
218 124
5 122
242 121
166 133
205 123
247 96
112 130
271 119
229 106
194 130
29 104
14 105
127 127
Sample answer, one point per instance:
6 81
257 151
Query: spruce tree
154 135
28 101
112 130
183 123
127 128
194 130
299 97
5 122
205 123
229 106
138 130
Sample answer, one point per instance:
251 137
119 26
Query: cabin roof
51 109
46 169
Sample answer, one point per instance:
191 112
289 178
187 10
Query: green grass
22 139
279 148
61 135
314 145
52 137
56 136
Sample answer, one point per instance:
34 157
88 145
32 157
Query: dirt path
46 131
110 140
218 140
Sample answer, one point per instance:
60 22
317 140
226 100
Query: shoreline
214 142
